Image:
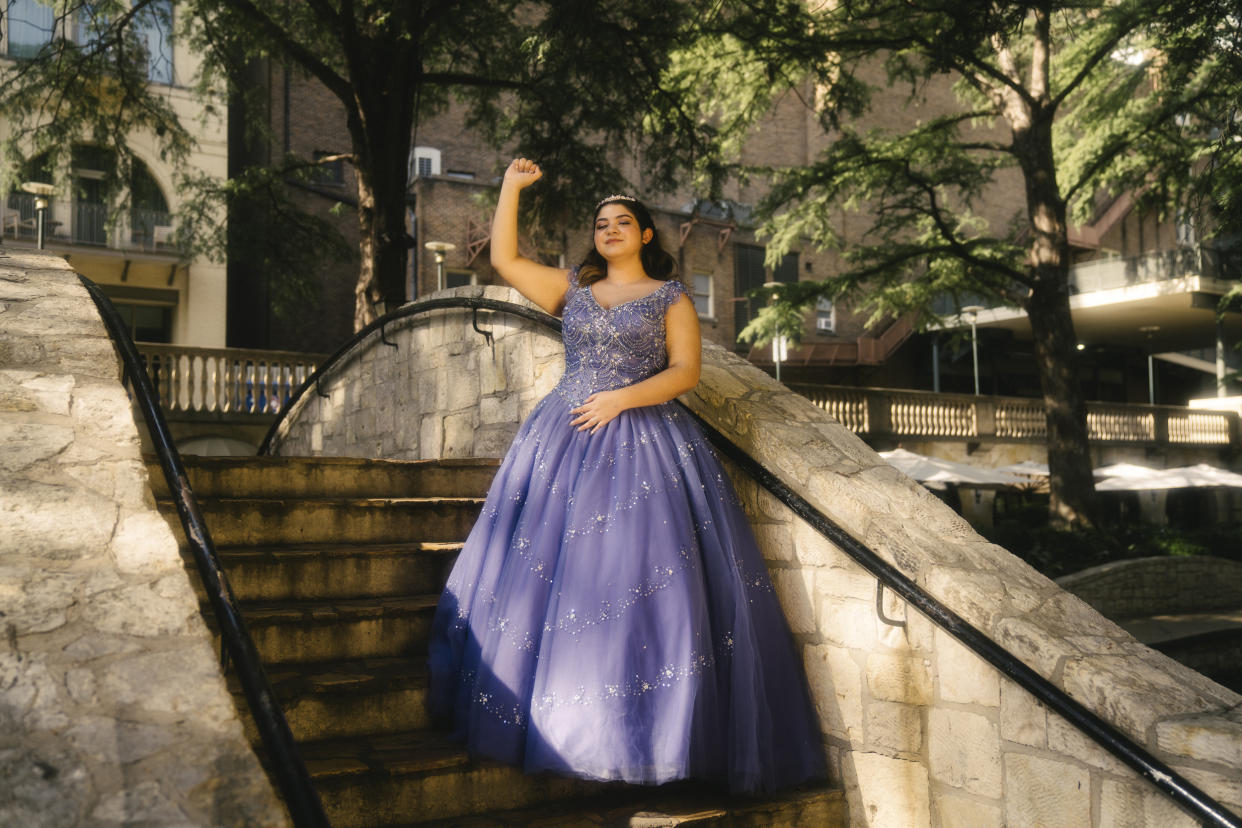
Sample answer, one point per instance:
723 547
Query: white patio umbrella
1027 467
937 473
1127 471
1182 477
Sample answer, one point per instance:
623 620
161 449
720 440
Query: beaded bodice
608 348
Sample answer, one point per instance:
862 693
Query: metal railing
90 224
1125 749
895 413
150 229
287 766
224 381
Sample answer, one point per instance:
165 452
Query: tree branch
1106 49
956 245
463 79
298 53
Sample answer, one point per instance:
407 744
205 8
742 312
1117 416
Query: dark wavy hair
657 262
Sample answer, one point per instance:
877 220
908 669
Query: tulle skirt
611 617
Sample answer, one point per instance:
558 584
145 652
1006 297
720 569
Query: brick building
453 174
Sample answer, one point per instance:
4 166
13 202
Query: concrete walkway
1157 628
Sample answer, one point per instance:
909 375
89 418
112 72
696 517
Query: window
92 166
153 28
30 25
147 323
825 316
748 274
787 270
458 278
424 161
331 173
702 295
150 221
147 312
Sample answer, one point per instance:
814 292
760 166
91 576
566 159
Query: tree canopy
1069 103
566 81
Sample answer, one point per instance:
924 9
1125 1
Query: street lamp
972 313
440 248
41 192
1151 367
780 343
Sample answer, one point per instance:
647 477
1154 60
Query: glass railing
1159 266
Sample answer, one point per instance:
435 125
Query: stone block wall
113 709
918 730
1159 586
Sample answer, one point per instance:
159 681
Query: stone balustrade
218 382
113 706
885 413
919 730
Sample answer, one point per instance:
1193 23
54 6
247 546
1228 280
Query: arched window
150 222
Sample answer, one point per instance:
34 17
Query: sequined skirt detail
610 616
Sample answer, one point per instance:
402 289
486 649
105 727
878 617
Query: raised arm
543 285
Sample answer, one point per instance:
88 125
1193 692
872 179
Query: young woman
610 615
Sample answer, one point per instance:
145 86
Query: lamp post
41 192
780 343
972 313
440 248
1151 366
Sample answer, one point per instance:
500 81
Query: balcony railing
147 230
892 413
90 223
20 216
150 229
1115 272
1160 266
224 382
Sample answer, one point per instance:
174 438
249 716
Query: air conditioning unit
424 161
824 323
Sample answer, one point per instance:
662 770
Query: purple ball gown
610 615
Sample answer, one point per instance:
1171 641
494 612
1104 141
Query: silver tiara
614 197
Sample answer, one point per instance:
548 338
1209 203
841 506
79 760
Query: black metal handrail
290 771
1176 787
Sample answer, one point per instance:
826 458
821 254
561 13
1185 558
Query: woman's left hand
600 408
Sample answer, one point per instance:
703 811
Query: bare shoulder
681 316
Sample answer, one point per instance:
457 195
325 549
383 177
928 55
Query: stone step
295 632
421 775
317 477
351 699
250 521
324 571
670 806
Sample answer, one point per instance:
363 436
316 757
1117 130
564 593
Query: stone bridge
113 708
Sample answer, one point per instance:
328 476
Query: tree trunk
382 246
381 121
1071 485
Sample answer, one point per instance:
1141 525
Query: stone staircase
337 564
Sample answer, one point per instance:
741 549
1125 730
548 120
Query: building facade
123 238
1145 290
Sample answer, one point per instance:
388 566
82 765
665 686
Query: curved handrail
475 303
290 771
1121 746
